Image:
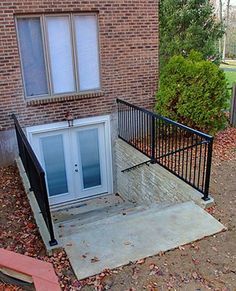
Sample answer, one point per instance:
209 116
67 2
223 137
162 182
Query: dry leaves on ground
225 145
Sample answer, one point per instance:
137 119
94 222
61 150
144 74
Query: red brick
128 32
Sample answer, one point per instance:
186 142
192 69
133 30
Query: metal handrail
36 176
182 150
180 125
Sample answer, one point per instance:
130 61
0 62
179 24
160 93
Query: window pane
60 51
31 49
54 160
89 153
87 51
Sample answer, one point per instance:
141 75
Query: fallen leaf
195 275
152 266
140 262
95 260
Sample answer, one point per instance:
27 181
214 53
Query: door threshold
71 203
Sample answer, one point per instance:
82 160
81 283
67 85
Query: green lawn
231 77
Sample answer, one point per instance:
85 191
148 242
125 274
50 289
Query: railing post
153 137
233 107
53 241
208 170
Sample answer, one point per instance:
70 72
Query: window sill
55 99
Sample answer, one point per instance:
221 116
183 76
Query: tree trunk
221 20
226 28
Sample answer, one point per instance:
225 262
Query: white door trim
105 120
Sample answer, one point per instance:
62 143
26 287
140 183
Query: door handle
76 170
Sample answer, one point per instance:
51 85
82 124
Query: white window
59 54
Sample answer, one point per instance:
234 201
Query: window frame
46 55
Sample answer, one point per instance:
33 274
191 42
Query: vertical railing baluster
133 123
153 135
168 146
118 121
146 135
195 161
199 164
135 126
204 167
176 140
191 158
187 161
162 142
183 153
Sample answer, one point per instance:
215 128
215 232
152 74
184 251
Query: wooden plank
42 273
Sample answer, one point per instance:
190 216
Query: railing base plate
206 198
53 242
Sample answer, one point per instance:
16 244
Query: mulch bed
19 233
225 145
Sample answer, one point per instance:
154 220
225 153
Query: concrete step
75 209
105 215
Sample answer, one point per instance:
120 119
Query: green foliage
187 25
193 91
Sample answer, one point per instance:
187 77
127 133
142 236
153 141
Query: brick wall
129 63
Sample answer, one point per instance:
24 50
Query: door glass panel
90 160
60 50
54 160
31 49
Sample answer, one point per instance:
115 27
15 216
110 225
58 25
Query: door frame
50 127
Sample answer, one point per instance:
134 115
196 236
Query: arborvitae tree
194 92
187 25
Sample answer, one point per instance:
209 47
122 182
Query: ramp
117 240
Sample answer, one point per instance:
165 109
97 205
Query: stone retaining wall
150 183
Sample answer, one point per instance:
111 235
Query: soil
208 264
18 230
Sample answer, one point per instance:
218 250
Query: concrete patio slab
117 240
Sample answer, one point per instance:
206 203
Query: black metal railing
185 152
36 176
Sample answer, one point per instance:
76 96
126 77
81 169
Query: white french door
76 161
90 173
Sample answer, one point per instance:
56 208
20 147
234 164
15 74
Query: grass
231 77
